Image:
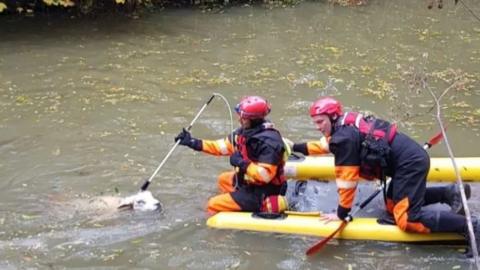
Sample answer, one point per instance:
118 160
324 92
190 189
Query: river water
89 107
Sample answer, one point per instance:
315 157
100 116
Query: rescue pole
319 245
471 234
149 180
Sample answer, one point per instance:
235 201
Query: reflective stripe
222 146
357 120
343 119
324 144
346 184
264 175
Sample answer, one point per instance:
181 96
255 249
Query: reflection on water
90 107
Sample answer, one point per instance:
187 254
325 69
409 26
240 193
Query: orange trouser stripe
222 202
390 206
400 213
225 182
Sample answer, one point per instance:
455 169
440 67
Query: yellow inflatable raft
441 169
358 229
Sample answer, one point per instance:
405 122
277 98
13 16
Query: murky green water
90 108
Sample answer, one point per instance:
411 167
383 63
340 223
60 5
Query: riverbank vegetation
84 7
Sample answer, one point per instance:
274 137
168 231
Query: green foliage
64 3
349 2
30 7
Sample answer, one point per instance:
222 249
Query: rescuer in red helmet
369 148
258 155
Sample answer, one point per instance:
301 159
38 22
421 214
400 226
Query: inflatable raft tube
441 169
358 229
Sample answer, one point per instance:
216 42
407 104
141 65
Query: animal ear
125 206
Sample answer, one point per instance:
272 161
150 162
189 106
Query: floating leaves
379 89
462 80
23 100
461 104
137 241
64 3
367 70
346 3
220 80
264 72
201 76
249 59
426 34
29 217
309 80
112 256
114 95
334 50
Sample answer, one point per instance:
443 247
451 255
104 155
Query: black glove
186 139
300 147
236 160
344 213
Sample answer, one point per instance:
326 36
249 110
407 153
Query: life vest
376 138
268 135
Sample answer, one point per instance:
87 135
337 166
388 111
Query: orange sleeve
221 147
260 173
347 179
319 147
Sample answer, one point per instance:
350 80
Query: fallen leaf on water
29 217
56 152
137 241
235 265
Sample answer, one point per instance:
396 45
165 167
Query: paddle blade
436 139
318 246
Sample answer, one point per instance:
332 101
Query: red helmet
253 107
326 105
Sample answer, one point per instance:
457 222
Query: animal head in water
142 201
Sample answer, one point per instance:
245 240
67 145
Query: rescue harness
268 135
376 139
